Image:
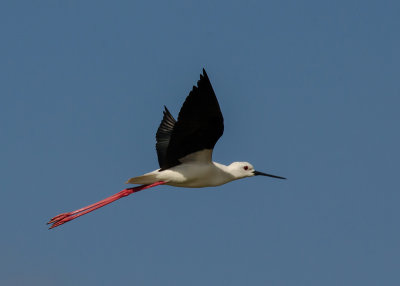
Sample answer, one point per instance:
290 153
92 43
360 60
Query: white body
197 171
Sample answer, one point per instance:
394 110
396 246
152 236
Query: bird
184 151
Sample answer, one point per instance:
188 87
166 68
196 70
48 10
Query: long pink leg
66 217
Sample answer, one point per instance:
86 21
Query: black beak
257 173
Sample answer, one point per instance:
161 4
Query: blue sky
309 90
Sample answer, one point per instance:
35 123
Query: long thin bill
257 173
66 217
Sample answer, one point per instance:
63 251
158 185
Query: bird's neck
227 173
222 167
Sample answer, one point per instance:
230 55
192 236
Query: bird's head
244 169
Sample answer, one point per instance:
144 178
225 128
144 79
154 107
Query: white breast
196 175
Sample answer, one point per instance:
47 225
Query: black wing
163 136
200 124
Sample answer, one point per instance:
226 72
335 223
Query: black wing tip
204 73
167 114
166 111
203 78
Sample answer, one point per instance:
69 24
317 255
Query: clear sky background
309 90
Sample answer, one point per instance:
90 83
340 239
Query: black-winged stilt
184 150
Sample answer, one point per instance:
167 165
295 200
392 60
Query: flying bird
184 150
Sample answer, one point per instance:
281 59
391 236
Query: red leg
66 217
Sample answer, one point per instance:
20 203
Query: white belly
194 175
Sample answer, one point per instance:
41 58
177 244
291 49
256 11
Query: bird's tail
145 179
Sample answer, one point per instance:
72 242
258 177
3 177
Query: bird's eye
246 168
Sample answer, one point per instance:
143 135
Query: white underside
196 171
